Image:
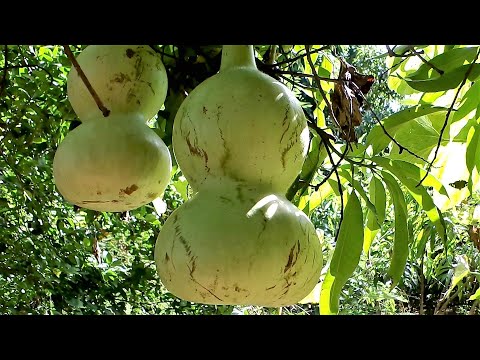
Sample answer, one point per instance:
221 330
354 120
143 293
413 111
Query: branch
158 51
441 309
441 72
80 72
429 167
294 83
474 307
317 81
294 73
298 56
402 148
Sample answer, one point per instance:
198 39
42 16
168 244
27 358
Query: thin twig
441 309
340 190
4 77
402 148
430 164
474 307
294 73
441 72
317 81
294 83
158 51
80 72
295 58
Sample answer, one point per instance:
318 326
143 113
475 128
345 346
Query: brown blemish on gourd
196 151
120 78
99 193
129 53
129 189
204 110
285 118
151 195
292 257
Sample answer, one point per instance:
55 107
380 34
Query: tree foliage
396 209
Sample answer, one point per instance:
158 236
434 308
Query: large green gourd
243 124
112 164
127 79
238 244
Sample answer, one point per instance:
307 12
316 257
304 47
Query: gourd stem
237 56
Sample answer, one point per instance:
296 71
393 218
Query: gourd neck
237 56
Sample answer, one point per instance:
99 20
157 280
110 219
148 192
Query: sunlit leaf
449 80
400 244
345 257
379 140
472 155
420 195
460 271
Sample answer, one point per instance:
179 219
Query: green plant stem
237 56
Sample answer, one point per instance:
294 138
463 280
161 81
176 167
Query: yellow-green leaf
345 256
401 240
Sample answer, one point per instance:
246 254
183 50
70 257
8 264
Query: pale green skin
127 79
112 164
214 249
243 124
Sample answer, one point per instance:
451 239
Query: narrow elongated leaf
345 256
415 173
379 140
379 199
420 195
449 80
473 155
401 240
446 61
423 236
346 175
475 296
370 231
472 99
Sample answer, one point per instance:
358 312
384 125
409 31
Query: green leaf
449 80
370 231
181 187
420 195
446 61
475 296
424 235
460 271
415 173
473 155
346 175
150 218
470 103
379 199
401 240
379 140
345 256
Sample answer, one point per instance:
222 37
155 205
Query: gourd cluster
240 139
114 163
